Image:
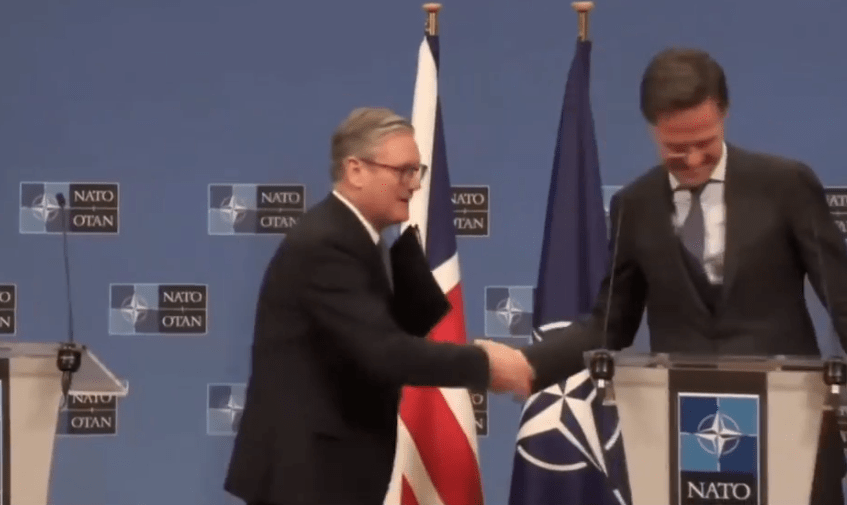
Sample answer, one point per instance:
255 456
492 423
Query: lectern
31 389
718 429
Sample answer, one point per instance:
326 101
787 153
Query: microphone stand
69 357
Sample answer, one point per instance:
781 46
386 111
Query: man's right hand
509 369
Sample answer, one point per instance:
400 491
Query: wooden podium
31 389
718 429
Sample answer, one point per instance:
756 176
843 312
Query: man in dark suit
334 343
716 243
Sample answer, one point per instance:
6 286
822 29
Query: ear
354 172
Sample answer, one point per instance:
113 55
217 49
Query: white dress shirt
714 214
368 226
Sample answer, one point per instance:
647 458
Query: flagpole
431 26
583 8
602 365
423 113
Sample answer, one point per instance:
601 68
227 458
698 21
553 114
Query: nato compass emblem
225 403
508 311
567 437
718 434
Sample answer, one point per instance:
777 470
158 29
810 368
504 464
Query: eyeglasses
680 151
406 173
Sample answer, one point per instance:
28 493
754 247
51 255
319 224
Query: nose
694 158
415 183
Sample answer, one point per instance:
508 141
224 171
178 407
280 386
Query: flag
568 449
437 461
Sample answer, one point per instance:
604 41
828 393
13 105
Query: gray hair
358 135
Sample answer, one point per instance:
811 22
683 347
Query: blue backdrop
180 109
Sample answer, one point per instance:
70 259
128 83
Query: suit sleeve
356 321
560 355
821 245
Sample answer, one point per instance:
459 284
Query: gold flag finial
583 8
432 17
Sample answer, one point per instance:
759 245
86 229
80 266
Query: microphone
835 370
825 285
602 366
69 357
612 278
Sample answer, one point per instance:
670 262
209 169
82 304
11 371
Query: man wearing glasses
331 353
716 243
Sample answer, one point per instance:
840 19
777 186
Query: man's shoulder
645 185
315 223
777 175
768 164
328 223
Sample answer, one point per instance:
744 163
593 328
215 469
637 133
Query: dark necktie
386 261
693 230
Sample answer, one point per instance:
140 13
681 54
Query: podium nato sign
717 453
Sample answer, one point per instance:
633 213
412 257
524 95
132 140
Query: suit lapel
354 233
736 223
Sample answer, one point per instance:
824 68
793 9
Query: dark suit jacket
778 230
329 359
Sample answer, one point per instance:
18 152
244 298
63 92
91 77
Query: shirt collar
718 174
368 226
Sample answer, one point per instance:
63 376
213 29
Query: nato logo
4 459
8 309
224 405
836 198
255 209
157 309
508 311
479 402
471 206
93 208
566 438
88 415
718 449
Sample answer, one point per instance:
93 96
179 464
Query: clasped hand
509 369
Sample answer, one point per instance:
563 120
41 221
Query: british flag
437 460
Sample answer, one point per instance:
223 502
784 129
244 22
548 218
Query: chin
691 178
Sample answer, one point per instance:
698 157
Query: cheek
387 188
715 155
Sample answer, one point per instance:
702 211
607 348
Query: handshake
509 369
